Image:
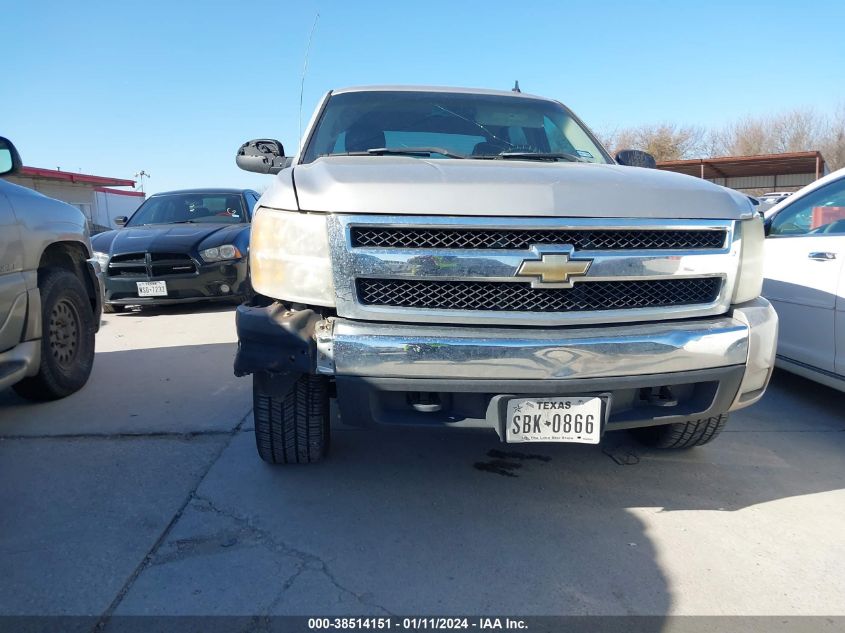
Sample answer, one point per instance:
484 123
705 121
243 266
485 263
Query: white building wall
79 195
100 207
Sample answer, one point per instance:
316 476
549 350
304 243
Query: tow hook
659 396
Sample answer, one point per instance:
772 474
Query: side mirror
263 156
10 160
121 220
636 158
767 226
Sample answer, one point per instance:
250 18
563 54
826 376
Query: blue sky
174 87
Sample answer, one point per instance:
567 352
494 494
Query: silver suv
50 291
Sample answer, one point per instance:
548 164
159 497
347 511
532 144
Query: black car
178 247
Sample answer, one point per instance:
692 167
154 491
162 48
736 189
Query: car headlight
102 260
749 281
289 257
220 253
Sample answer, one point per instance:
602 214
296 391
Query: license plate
152 288
565 419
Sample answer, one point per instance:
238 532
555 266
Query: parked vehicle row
388 250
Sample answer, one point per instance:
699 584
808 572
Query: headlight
220 253
102 260
749 281
289 257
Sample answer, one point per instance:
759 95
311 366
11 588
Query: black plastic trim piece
361 399
818 370
275 339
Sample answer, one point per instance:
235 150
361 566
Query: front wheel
67 338
682 434
293 428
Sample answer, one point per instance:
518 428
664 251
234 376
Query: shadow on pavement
199 307
415 521
405 521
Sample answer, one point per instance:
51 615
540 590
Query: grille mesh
521 297
600 239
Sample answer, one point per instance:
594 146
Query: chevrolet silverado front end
474 258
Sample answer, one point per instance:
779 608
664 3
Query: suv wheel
293 428
682 434
67 338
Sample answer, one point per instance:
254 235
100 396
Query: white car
805 280
774 197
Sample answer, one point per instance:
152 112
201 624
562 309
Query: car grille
521 297
580 239
148 265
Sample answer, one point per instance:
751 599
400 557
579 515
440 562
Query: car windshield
450 125
176 208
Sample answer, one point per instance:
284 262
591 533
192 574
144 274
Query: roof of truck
473 91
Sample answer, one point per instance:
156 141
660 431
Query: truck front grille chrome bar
477 270
521 297
589 239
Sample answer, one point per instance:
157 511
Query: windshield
463 125
175 208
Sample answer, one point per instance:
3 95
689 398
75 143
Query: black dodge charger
178 247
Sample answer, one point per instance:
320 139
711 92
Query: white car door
805 251
839 327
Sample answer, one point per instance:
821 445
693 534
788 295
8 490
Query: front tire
293 428
67 338
682 434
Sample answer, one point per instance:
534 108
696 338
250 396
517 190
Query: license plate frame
151 288
599 406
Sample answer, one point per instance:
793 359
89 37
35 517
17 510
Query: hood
405 185
166 238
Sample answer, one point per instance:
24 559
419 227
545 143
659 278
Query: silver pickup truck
50 291
476 258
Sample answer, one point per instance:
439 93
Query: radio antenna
304 71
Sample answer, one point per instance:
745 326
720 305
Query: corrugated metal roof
734 166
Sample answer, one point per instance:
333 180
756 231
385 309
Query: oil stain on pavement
505 463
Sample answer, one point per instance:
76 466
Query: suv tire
67 338
294 428
682 434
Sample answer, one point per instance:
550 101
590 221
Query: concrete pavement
143 494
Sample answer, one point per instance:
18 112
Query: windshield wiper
550 156
182 222
403 151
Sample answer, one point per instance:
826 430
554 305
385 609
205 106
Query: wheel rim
64 332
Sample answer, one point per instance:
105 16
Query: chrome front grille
485 270
601 239
503 296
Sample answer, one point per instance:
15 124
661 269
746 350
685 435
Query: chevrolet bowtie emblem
553 271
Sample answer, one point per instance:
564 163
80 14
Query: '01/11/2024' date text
416 624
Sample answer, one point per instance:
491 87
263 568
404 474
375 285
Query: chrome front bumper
464 353
735 352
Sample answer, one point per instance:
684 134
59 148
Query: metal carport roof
739 166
